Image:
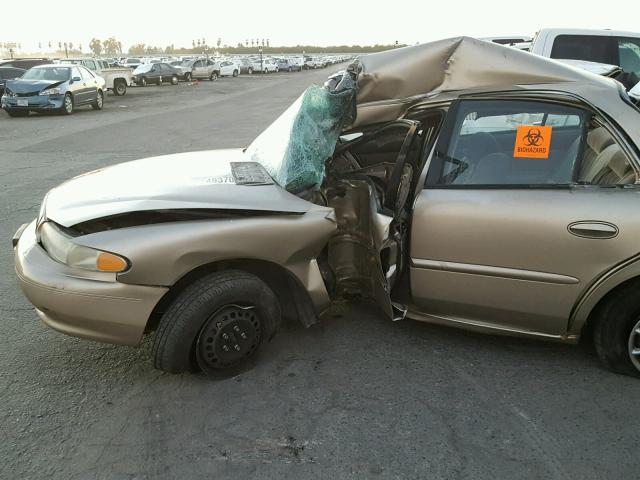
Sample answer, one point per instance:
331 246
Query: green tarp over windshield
294 148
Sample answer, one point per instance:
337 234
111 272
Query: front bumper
82 303
35 102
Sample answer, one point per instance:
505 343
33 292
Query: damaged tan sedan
459 182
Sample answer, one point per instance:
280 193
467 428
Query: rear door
199 70
90 83
153 75
166 72
79 88
525 204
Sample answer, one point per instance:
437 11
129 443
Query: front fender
161 254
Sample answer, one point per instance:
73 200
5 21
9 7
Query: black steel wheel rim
230 335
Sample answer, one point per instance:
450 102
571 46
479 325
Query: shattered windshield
293 149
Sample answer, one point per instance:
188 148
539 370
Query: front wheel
250 71
99 103
616 333
174 80
235 73
143 82
67 105
217 325
213 77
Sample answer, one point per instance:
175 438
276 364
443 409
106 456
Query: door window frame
431 178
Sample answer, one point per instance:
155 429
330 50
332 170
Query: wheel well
587 328
294 299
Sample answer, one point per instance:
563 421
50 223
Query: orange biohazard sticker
533 142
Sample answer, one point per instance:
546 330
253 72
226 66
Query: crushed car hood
185 181
389 81
30 86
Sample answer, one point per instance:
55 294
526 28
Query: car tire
99 103
143 82
213 77
196 330
616 331
67 105
187 77
18 113
236 73
119 87
174 80
290 69
249 71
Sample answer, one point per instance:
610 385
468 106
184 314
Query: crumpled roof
396 76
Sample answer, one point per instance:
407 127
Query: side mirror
635 92
76 79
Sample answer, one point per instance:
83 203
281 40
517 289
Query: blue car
57 88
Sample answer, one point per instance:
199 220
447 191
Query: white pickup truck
609 47
117 78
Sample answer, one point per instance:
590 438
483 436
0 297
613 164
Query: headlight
61 248
51 91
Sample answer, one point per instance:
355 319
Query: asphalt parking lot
354 397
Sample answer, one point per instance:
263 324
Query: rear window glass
592 48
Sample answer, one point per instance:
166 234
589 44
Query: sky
289 22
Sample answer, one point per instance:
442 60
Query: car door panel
91 85
78 87
509 255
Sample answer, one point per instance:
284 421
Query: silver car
57 88
478 187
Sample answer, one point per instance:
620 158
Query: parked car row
45 85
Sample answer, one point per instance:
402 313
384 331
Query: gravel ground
354 397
